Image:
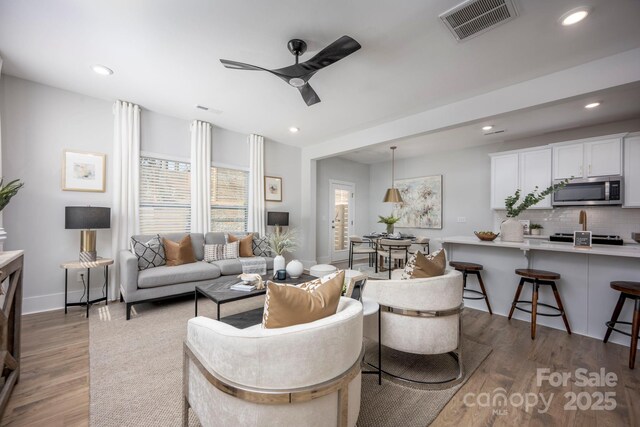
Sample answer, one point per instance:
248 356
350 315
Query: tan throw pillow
246 244
178 253
288 305
429 266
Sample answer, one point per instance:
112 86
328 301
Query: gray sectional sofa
166 282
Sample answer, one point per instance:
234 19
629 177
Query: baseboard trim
50 302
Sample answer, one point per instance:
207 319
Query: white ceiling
617 103
165 55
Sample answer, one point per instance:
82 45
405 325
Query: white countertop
631 250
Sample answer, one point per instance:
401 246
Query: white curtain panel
126 183
200 177
257 221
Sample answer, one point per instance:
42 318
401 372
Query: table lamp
278 220
87 219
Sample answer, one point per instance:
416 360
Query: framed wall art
82 171
272 189
422 202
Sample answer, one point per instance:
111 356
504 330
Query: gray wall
340 170
38 122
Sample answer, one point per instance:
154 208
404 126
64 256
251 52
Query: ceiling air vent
474 17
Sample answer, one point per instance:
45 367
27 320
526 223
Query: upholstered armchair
419 316
305 374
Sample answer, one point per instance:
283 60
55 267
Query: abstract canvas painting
422 202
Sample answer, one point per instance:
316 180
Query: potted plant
281 242
535 229
389 221
511 230
6 193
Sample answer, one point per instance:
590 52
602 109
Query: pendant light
392 195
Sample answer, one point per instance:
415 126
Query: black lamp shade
86 217
278 218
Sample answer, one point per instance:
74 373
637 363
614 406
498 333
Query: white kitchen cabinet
525 169
568 161
504 178
588 158
603 158
535 171
632 172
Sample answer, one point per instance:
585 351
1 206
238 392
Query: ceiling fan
298 75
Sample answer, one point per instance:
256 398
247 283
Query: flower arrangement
389 221
530 199
535 227
8 191
281 242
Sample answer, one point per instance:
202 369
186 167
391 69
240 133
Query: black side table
100 262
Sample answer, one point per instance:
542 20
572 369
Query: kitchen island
584 286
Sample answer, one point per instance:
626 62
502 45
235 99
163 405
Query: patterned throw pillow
261 246
150 254
220 252
435 261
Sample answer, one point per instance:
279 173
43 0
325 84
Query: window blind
165 196
229 199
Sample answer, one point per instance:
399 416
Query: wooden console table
11 263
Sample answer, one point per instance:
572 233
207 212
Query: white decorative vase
278 263
3 237
535 232
511 230
295 269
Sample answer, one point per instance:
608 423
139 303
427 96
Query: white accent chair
421 243
393 250
359 246
419 316
305 374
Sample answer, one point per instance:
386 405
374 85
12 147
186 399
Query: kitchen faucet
583 220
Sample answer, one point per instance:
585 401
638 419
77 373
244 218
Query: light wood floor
54 386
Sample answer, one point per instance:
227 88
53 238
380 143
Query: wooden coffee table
220 293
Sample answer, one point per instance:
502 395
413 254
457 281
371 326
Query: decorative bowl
487 236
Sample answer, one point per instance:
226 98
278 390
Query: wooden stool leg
556 294
635 328
534 309
614 316
513 304
484 291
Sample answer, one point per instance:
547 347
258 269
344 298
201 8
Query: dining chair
393 250
421 243
358 245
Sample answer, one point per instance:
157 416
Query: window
229 199
165 196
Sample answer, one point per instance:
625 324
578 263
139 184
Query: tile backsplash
600 220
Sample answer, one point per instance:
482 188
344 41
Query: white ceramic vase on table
511 230
295 269
278 263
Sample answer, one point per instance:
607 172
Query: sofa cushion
150 253
217 252
246 244
261 246
162 276
228 267
197 241
422 266
179 253
288 305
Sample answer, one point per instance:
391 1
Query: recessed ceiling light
102 70
293 129
488 127
592 105
574 16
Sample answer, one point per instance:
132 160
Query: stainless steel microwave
604 190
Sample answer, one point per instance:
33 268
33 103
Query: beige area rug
136 369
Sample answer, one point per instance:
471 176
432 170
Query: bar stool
467 268
537 278
629 290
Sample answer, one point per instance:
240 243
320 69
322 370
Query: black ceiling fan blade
333 53
234 65
309 95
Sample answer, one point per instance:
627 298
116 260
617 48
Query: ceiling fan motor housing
297 47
